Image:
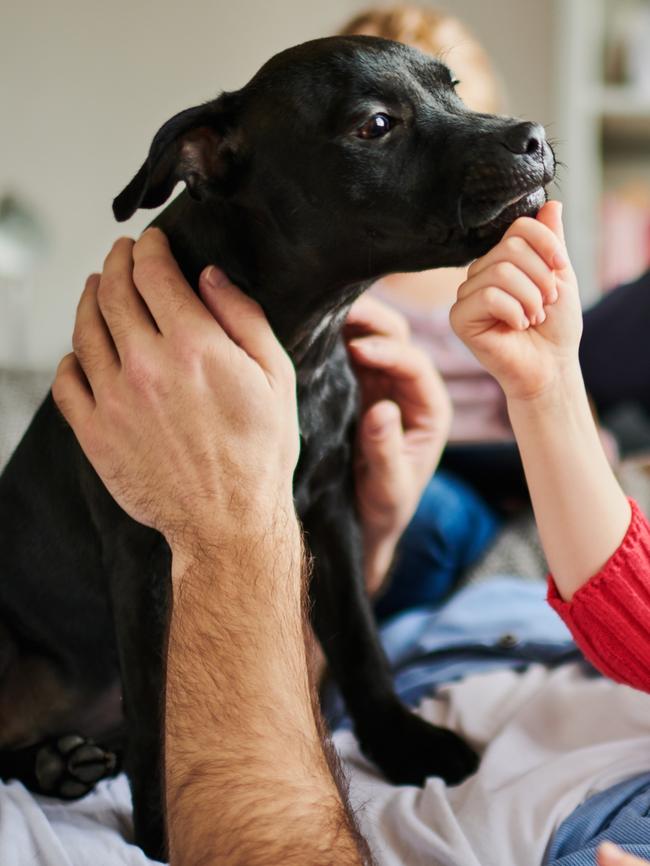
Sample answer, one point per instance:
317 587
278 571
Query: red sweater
609 616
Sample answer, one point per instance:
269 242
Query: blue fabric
450 530
503 623
621 815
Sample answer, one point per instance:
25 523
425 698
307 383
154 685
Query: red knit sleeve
609 617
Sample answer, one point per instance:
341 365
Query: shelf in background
620 101
624 115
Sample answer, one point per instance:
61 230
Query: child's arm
519 312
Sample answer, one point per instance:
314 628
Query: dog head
355 151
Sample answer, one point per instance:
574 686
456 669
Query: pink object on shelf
625 248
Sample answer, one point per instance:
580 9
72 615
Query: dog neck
303 300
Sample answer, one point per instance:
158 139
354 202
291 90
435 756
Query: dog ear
197 146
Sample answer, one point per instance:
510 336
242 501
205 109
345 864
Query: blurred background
84 85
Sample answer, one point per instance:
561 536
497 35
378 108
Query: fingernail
612 852
367 346
525 324
541 318
560 261
213 278
553 296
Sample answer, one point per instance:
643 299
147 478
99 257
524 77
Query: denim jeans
450 530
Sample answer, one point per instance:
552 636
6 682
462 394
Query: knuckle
124 244
491 296
504 271
513 244
190 346
59 384
141 375
107 289
118 247
80 341
149 268
92 283
523 225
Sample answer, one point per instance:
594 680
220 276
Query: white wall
85 84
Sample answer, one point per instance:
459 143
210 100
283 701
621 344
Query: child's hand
519 310
611 855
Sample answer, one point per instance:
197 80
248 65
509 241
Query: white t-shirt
549 740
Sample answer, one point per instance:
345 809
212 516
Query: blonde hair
443 36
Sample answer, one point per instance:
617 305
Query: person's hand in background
404 425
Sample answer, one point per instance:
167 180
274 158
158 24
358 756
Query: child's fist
519 309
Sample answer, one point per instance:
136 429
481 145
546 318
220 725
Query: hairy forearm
248 777
581 512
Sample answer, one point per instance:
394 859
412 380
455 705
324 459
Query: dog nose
525 139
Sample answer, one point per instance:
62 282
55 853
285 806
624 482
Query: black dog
342 160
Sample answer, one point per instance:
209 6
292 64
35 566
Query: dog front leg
140 593
405 747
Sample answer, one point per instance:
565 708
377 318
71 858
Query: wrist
564 394
229 539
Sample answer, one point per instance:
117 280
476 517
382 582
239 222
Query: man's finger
370 316
243 320
72 393
121 304
162 285
91 340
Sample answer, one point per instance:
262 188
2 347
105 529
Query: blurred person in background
481 476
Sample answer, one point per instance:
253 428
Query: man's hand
519 310
186 410
406 414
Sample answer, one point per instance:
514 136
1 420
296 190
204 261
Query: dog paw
70 766
409 750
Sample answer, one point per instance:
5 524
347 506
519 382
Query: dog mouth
527 204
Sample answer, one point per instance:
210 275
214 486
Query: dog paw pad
69 766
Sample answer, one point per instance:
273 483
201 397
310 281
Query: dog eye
378 125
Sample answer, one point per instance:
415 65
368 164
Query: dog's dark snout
525 139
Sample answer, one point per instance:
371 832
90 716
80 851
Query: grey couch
20 395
